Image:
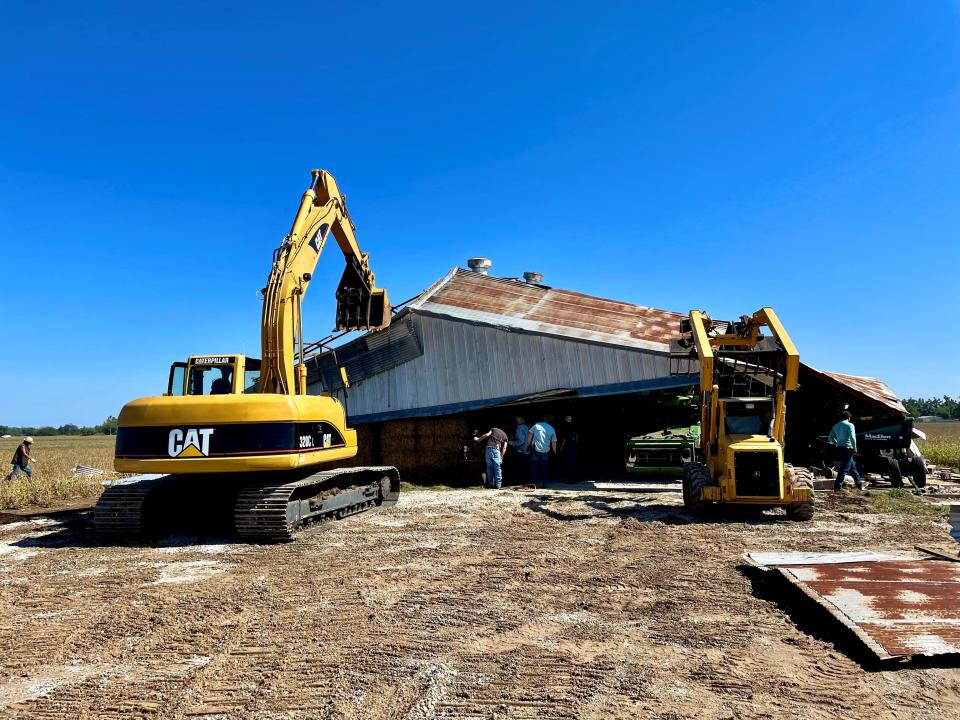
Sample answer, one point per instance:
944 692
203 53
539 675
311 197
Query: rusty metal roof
898 606
519 305
873 389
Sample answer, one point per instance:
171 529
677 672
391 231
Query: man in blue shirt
844 437
519 443
542 439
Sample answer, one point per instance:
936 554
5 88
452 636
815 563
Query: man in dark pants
542 439
568 447
844 437
520 445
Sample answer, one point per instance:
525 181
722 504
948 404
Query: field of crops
942 446
53 479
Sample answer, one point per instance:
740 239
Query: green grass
410 487
942 446
896 501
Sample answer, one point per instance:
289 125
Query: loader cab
214 375
747 416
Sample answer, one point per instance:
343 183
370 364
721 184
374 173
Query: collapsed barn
473 351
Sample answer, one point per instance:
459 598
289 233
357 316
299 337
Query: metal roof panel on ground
871 388
515 304
898 606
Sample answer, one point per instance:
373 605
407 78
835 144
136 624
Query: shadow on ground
75 528
569 508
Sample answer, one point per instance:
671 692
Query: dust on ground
465 604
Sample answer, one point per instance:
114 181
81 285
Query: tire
893 471
800 478
695 477
919 471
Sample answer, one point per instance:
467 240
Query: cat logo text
189 443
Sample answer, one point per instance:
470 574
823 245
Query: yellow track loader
744 379
243 431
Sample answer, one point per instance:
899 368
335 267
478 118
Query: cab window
251 376
175 382
744 425
748 418
210 380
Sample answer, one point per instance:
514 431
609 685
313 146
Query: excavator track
275 512
263 511
121 510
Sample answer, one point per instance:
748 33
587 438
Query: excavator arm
360 304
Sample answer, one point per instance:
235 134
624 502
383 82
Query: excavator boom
360 304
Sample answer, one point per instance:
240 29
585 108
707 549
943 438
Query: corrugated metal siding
463 362
369 355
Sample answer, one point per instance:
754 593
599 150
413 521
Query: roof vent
533 277
479 264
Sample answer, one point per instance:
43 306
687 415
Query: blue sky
712 155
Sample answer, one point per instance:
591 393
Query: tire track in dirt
453 605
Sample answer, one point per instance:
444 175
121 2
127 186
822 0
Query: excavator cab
214 375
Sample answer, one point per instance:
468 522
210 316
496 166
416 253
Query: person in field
844 437
22 458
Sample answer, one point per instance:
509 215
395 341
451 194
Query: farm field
942 446
53 479
593 604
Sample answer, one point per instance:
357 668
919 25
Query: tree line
107 427
945 407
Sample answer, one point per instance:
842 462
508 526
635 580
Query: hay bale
423 449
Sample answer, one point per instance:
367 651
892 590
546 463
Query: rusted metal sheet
512 303
872 388
898 606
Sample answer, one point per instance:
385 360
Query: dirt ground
460 604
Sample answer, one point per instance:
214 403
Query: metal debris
84 470
898 606
871 388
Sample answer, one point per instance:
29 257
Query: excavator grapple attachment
360 306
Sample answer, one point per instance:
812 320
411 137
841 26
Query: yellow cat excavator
243 431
